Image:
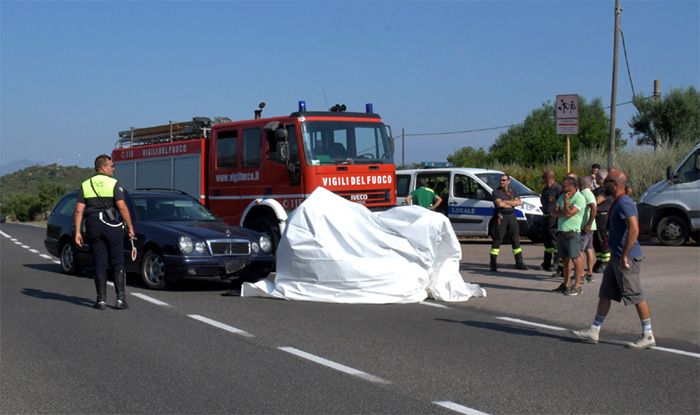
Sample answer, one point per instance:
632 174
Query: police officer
505 200
548 198
99 199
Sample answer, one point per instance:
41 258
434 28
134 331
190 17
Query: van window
251 147
403 182
466 187
226 149
690 170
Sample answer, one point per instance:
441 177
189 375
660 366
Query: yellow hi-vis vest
104 186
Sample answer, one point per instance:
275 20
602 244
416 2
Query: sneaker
560 289
643 342
589 335
589 277
99 305
571 291
121 305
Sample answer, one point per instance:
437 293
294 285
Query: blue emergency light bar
369 108
302 106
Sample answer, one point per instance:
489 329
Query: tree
470 157
535 141
668 120
23 206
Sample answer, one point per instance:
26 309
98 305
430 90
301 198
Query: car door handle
453 203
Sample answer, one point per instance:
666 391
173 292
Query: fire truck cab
254 172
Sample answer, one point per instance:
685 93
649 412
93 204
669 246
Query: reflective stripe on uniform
516 251
494 251
550 250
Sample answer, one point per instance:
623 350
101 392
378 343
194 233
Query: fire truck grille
367 197
229 247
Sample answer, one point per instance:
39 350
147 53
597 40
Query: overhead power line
627 62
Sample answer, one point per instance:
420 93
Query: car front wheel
672 231
153 271
69 261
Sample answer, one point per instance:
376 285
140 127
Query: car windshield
346 142
169 208
492 179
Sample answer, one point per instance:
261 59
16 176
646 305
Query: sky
74 74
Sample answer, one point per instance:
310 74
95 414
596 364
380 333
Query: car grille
229 246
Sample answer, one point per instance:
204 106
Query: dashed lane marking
458 408
150 299
46 257
220 325
333 365
34 251
25 247
434 305
530 323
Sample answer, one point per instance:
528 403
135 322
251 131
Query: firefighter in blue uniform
550 194
505 201
101 200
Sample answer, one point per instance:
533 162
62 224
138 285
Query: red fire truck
254 172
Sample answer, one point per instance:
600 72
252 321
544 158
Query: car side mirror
669 175
480 194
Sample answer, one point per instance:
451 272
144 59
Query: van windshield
492 179
345 142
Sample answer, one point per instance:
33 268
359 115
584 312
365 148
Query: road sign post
567 121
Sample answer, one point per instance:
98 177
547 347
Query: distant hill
28 179
17 165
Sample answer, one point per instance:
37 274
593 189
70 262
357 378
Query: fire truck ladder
173 131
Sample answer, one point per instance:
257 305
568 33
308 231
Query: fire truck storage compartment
181 173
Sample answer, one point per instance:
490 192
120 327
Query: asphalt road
193 351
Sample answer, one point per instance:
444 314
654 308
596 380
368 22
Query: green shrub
23 207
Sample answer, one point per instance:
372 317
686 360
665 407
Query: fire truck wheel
267 226
153 271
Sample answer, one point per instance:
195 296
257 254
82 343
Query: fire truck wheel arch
264 207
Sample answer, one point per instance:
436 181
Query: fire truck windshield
338 142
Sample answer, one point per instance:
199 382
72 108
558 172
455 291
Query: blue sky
73 74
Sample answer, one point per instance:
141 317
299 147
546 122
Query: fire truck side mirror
283 151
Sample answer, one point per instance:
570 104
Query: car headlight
528 206
186 244
265 244
201 248
255 247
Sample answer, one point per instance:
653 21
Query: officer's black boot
493 265
101 287
519 264
120 288
547 263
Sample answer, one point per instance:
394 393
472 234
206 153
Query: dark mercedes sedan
176 237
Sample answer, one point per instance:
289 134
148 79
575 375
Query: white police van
466 198
670 209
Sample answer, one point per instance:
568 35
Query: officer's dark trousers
107 245
506 225
549 239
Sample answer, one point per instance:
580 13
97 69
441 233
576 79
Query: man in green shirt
424 196
569 213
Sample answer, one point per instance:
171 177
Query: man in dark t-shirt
505 199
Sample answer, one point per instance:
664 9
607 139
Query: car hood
203 230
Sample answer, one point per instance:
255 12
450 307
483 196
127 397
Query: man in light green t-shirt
569 213
588 225
424 196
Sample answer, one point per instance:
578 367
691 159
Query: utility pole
613 94
657 98
403 148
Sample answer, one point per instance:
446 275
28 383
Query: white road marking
530 323
220 325
34 251
618 342
458 408
110 283
57 262
665 349
45 256
17 242
150 299
4 234
333 365
434 305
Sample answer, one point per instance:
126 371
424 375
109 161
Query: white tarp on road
334 250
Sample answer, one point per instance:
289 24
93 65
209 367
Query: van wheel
672 231
153 271
69 260
269 227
